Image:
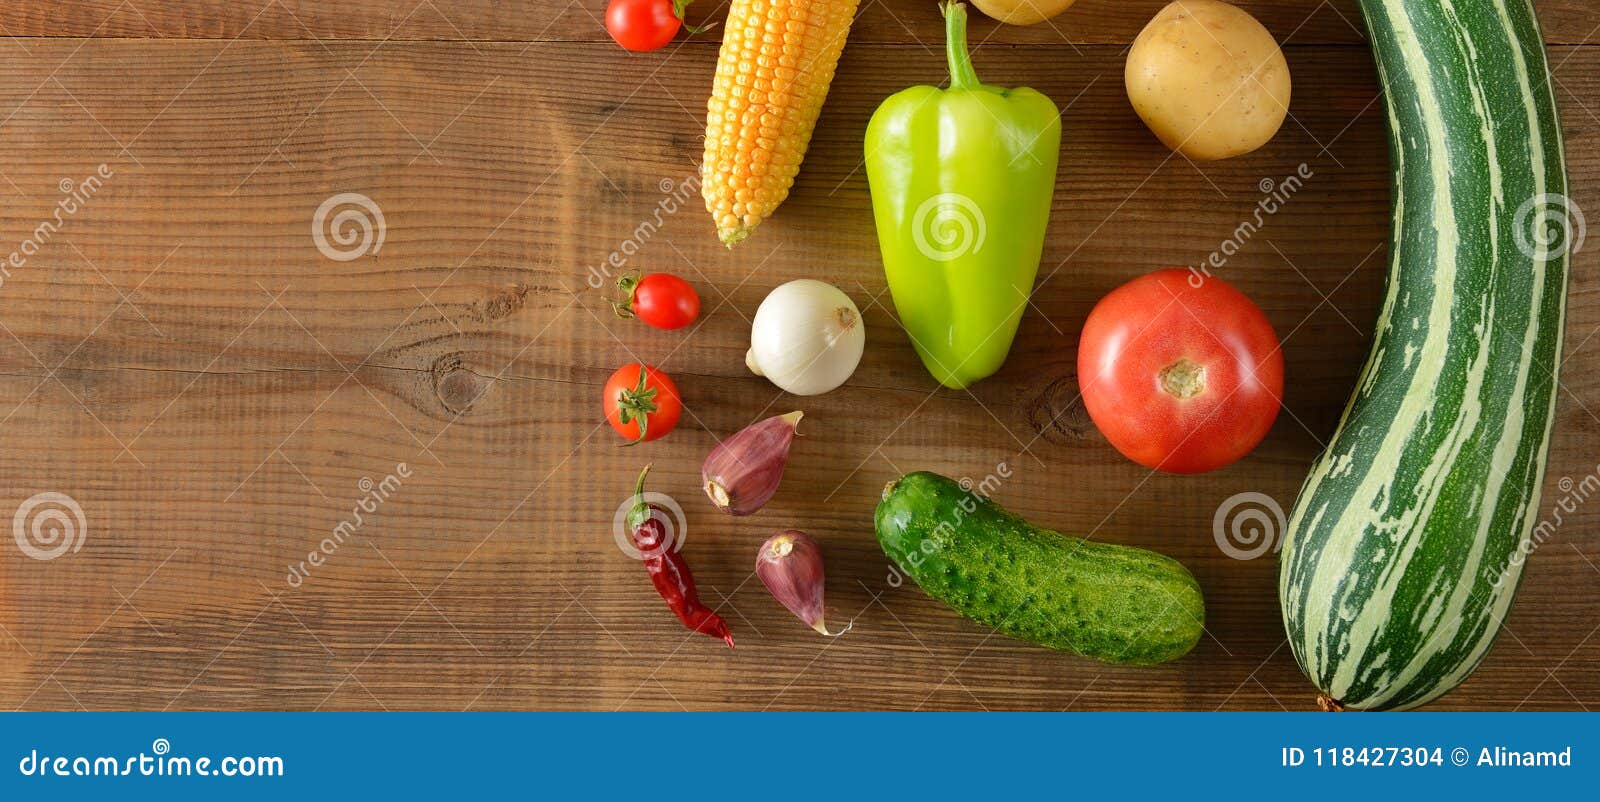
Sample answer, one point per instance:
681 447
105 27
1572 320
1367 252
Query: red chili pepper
668 570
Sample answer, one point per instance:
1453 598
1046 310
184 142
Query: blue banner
789 755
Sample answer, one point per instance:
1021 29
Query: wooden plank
181 359
878 21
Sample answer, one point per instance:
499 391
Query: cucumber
1113 603
1402 554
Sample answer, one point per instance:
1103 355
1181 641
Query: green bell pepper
961 182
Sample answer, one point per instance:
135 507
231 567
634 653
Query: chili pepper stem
962 76
638 486
640 511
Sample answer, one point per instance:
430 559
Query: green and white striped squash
1404 549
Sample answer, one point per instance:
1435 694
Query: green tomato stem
623 306
638 404
678 7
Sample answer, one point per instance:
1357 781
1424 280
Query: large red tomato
1180 372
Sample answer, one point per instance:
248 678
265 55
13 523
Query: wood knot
1057 413
455 385
502 303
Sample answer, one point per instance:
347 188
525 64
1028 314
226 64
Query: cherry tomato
641 403
642 24
659 299
1182 373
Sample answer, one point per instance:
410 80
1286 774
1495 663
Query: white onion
807 337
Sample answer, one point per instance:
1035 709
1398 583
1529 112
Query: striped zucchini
1401 557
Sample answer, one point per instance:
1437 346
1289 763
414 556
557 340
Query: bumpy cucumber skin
1112 603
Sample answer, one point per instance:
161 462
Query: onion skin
807 337
742 473
790 565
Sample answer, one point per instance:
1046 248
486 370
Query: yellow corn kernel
773 71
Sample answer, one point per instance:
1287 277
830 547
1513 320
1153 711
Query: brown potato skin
1022 12
1208 80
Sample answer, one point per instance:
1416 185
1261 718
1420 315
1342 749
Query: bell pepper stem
962 75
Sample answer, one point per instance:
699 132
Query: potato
1208 80
1022 12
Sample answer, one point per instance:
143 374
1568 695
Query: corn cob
773 71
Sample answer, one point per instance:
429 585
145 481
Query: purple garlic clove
741 474
790 565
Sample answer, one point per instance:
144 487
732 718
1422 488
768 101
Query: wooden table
181 359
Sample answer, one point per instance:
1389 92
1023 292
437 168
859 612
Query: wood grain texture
179 357
877 21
